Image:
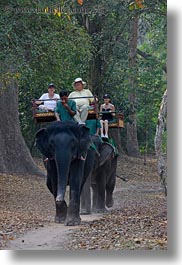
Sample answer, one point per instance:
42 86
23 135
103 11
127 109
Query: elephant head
67 143
104 152
42 142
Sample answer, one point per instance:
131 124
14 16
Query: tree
160 142
132 141
117 68
152 69
92 45
14 154
32 55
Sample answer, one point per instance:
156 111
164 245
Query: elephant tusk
46 159
83 158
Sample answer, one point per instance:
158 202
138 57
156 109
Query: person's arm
39 101
57 113
98 125
113 109
97 131
71 112
100 114
57 116
89 94
71 109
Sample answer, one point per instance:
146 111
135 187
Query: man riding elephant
82 98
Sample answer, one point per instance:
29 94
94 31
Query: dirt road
53 236
138 219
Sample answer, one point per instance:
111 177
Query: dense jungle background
118 47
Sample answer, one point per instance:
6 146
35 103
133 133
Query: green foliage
42 48
151 78
151 81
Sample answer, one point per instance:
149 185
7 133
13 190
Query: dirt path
138 219
51 237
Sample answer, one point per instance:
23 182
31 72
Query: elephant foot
61 212
100 210
85 212
59 220
109 201
71 221
73 217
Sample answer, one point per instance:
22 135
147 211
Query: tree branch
146 56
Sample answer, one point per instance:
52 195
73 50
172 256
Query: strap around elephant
113 144
93 146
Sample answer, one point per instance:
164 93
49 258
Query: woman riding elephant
65 144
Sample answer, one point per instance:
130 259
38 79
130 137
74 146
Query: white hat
79 80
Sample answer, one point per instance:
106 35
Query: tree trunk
94 27
132 141
160 153
15 157
115 133
131 137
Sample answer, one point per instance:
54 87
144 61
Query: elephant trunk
63 165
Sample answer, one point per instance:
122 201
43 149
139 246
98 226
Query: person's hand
65 105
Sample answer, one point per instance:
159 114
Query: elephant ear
41 142
84 142
106 153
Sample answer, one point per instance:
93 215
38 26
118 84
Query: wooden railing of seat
40 116
119 123
48 116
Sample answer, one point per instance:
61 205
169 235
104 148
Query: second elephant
100 171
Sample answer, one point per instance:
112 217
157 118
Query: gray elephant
100 171
65 145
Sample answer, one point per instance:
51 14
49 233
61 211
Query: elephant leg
94 197
61 208
109 191
101 198
76 175
109 199
86 197
99 194
73 216
61 212
49 184
51 176
111 184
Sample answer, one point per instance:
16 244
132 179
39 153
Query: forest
119 47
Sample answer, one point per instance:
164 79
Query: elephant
100 174
65 145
